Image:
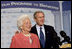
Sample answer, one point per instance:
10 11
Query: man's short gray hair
20 20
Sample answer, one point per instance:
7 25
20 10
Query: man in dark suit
46 33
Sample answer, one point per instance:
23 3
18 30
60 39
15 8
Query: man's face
39 19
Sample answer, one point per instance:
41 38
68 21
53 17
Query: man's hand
16 32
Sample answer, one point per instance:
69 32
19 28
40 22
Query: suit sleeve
55 39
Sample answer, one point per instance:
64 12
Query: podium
68 45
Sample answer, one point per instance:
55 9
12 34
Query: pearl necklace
29 35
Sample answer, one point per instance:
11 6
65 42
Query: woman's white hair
20 20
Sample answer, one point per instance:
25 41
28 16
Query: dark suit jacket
50 35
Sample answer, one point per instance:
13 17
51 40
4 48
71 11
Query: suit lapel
35 30
45 30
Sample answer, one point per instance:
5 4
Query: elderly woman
24 39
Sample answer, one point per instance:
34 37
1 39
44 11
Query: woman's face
26 25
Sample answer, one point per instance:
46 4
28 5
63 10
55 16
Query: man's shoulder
48 26
33 27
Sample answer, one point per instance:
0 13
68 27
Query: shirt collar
39 26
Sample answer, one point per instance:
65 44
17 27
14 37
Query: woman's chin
28 30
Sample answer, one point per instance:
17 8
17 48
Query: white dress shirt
38 30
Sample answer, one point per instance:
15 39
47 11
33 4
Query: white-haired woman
24 39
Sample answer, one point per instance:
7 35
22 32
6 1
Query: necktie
42 38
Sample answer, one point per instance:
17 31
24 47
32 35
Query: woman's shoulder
34 35
16 35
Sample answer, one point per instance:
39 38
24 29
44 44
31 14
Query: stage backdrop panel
11 10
